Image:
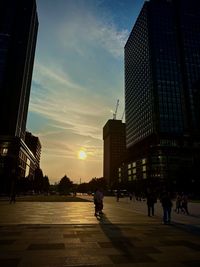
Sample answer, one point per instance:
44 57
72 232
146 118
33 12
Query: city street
57 234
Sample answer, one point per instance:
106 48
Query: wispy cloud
90 30
66 106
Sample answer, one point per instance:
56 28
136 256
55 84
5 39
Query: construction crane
115 114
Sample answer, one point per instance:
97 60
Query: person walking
118 194
151 200
98 202
178 203
13 191
167 206
184 201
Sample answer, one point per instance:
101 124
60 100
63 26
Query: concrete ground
58 234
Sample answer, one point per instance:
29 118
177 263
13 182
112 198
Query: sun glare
82 154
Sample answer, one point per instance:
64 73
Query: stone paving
68 234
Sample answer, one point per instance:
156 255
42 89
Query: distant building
162 74
114 150
18 33
34 145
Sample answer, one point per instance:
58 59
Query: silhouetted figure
184 201
178 204
151 200
13 192
167 206
98 202
118 194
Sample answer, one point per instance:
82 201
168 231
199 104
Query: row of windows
133 177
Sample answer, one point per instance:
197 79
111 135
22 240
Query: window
4 151
143 161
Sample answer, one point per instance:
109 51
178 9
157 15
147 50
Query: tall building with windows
114 150
18 33
162 88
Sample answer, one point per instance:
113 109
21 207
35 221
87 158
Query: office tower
162 89
34 145
18 33
114 150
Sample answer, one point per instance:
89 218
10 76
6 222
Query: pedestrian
118 195
178 203
167 206
98 202
184 201
151 200
13 192
130 196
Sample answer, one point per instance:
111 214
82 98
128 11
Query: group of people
151 197
166 202
181 204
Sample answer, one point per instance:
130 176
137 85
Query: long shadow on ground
125 245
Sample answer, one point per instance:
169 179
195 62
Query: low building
34 145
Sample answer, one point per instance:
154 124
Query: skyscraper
162 88
114 150
18 33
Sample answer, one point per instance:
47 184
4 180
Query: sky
78 77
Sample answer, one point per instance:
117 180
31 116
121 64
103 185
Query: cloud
91 30
67 104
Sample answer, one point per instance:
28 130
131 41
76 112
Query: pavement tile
130 258
9 262
68 234
46 246
6 242
192 263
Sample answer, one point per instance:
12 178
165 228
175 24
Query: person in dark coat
167 207
151 200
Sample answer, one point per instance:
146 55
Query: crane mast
115 114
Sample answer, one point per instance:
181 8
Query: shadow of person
124 242
116 237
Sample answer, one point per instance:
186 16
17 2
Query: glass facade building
162 88
18 34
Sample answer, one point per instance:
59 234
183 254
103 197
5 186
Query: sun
82 154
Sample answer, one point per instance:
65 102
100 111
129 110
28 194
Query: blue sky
78 77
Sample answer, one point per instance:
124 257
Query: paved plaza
58 234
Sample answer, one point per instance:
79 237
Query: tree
38 181
65 185
46 184
97 183
83 188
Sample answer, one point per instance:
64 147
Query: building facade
18 33
114 150
162 78
34 145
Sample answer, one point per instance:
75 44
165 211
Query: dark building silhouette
162 73
114 150
34 145
18 33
